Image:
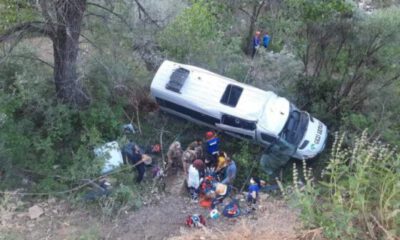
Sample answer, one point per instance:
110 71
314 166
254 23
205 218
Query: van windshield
295 127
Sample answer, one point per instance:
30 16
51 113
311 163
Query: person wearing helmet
212 143
256 43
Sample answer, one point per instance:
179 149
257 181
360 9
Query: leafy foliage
358 195
15 11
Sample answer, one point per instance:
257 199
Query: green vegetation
358 195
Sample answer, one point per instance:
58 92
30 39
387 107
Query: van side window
231 95
177 79
267 138
188 112
237 122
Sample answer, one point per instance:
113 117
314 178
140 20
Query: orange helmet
258 33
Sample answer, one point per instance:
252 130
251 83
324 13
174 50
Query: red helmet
209 134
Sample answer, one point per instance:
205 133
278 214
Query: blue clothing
230 173
253 188
212 146
256 42
266 39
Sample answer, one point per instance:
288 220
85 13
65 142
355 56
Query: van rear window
177 79
231 95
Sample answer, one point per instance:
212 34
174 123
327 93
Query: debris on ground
35 212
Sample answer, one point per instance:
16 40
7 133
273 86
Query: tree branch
140 6
45 13
119 16
20 30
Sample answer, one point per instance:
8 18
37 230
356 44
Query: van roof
205 88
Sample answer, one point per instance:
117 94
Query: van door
242 128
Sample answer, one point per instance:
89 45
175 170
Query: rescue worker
194 178
197 146
256 43
253 190
174 155
195 143
212 144
188 157
210 165
266 39
221 165
230 171
132 154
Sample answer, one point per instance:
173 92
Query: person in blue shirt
212 144
256 43
253 190
230 171
266 39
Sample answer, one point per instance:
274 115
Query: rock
51 200
35 212
21 215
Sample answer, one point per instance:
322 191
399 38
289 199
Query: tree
60 21
346 54
256 7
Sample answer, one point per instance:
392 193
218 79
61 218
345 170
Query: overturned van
238 109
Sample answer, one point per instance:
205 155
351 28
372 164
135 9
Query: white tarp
112 154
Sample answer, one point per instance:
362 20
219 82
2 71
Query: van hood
314 141
275 115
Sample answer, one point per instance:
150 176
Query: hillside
162 218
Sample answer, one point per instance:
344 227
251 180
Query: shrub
359 195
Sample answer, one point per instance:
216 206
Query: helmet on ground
214 214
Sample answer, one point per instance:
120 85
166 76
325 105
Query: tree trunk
256 8
250 33
66 47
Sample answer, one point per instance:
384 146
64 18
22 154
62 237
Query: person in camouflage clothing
174 155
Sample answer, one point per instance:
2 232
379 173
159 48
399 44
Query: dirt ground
163 220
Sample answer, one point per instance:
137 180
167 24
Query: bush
359 196
48 143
